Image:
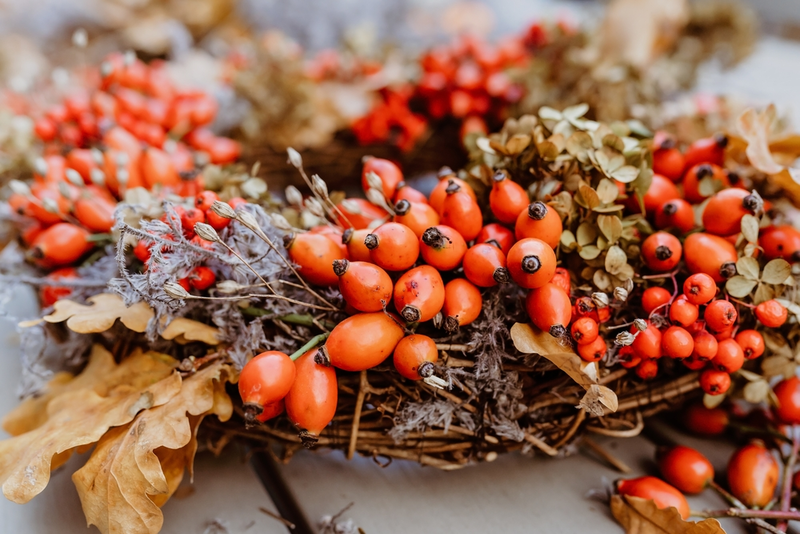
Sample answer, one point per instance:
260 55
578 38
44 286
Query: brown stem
362 392
754 514
618 464
786 494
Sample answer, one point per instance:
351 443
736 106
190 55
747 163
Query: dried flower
294 158
254 187
123 176
640 324
620 294
247 219
176 291
624 339
223 209
280 222
74 177
207 232
315 207
229 286
97 157
80 38
97 177
374 182
19 187
293 196
320 187
50 205
40 166
63 190
600 299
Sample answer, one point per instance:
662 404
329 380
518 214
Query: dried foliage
641 516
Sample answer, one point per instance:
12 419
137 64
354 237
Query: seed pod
176 291
223 209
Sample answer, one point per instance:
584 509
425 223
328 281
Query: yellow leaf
642 516
76 419
531 340
104 310
185 330
101 375
136 468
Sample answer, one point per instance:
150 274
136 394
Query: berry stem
737 301
788 471
313 342
747 513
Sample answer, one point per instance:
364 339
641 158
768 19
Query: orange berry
705 347
417 216
311 402
772 313
661 252
675 213
707 150
406 192
334 234
202 278
561 279
668 161
654 297
627 358
788 394
531 263
715 382
314 254
752 343
393 246
462 304
699 289
694 364
354 241
664 495
647 369
683 312
485 265
677 343
60 244
439 193
50 294
686 469
584 330
158 169
359 213
720 315
205 199
541 222
389 174
265 379
661 190
550 309
724 211
730 356
647 344
81 160
419 294
414 356
705 421
507 198
710 254
461 212
698 173
753 475
362 341
442 247
363 285
222 150
497 233
594 351
781 242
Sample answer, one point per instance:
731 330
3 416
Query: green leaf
610 226
747 267
776 272
750 228
739 286
586 234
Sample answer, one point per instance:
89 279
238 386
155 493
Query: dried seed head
74 177
628 285
315 207
620 294
40 166
129 58
19 187
122 159
600 299
123 176
207 232
438 319
97 177
63 190
228 286
425 369
247 219
254 187
374 181
106 68
80 38
350 206
753 202
377 198
255 168
624 339
50 205
320 187
176 291
295 159
223 209
293 196
280 222
640 324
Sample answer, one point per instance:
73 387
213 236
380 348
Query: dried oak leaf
184 330
74 419
755 128
642 516
136 468
101 375
101 314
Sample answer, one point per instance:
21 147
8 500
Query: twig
615 462
754 514
576 423
362 392
788 471
455 346
635 431
273 515
544 447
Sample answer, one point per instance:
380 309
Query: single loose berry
686 469
652 488
753 475
414 356
594 351
772 313
419 294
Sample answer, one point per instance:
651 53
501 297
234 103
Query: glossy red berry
664 495
265 379
752 343
539 221
507 198
531 263
715 382
662 252
787 393
677 343
699 289
772 313
363 285
753 475
202 278
655 297
730 356
683 312
442 247
686 469
647 369
720 315
414 356
584 330
675 213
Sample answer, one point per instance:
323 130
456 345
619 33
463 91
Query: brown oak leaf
184 330
642 516
74 419
136 468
